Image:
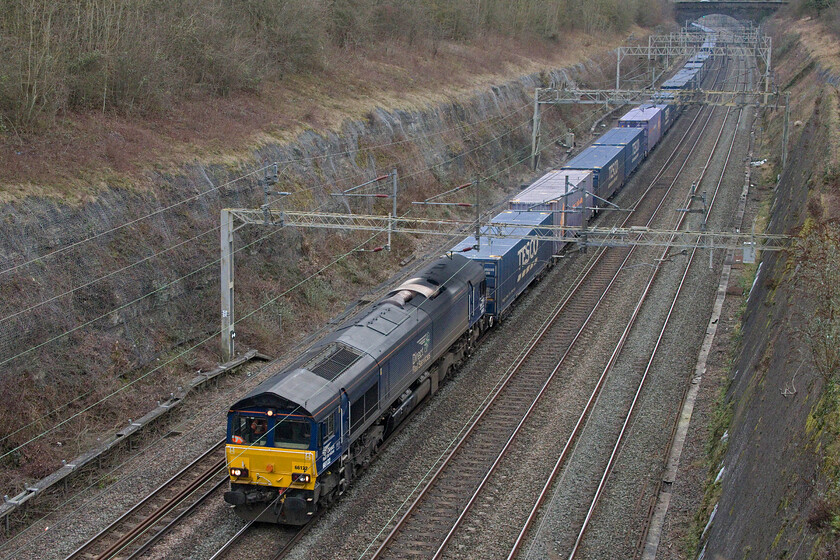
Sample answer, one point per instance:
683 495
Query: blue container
669 114
648 117
634 141
510 264
683 79
699 68
607 166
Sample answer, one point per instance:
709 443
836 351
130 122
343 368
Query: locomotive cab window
249 430
292 433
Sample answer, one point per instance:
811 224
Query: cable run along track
442 500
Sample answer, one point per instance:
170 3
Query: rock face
97 293
771 467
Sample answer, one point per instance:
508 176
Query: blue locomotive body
349 391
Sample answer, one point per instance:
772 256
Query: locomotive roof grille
334 360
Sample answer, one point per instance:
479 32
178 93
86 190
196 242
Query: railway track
281 536
641 544
442 501
628 415
621 422
139 528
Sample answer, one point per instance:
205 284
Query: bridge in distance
742 10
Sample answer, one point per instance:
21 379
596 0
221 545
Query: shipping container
664 97
669 114
607 166
684 79
634 141
510 263
648 117
701 69
567 194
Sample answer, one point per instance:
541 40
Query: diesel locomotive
296 441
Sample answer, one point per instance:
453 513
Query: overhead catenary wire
39 436
108 275
268 303
184 352
231 182
215 262
315 187
244 380
165 286
158 254
287 291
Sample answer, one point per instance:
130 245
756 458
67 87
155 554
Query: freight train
297 441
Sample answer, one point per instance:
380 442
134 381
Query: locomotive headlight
298 477
237 472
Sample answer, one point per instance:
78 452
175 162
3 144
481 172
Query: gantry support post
767 60
535 135
477 184
394 209
786 131
618 68
228 333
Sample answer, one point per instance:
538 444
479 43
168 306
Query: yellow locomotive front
271 458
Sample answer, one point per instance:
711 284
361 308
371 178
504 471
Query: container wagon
510 264
607 166
564 193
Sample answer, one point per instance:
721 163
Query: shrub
140 55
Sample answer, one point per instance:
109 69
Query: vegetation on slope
139 56
828 11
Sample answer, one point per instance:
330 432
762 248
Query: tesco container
607 166
648 117
510 263
567 194
635 145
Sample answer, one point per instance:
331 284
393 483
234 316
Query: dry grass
85 152
820 42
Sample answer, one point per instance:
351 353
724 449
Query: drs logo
421 357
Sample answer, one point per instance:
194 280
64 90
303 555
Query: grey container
566 194
607 166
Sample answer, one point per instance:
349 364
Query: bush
140 55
